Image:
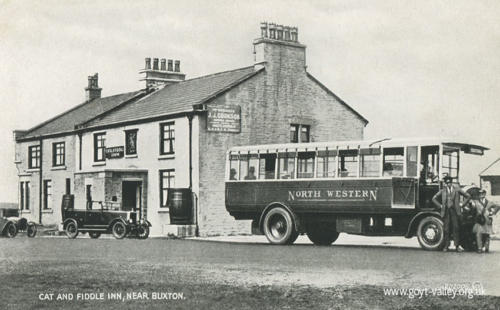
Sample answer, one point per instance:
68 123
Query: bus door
429 175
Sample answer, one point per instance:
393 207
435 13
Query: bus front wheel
279 227
430 233
322 234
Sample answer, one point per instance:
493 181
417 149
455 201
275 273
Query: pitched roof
175 98
492 170
66 121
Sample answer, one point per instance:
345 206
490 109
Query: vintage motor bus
375 188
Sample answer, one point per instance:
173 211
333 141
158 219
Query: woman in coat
483 231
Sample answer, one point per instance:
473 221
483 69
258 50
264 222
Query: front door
131 195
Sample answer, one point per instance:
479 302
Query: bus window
326 163
450 162
348 163
393 161
286 165
234 167
306 165
370 162
411 161
430 164
248 166
267 166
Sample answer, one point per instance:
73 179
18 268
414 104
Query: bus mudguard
412 227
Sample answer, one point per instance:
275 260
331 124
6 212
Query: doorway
132 196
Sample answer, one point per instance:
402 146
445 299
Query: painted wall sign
224 118
114 152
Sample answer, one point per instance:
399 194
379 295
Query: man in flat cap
451 211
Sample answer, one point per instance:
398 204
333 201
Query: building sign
224 118
114 152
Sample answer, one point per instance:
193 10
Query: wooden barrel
180 204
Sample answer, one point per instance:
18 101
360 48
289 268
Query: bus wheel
279 227
430 233
322 234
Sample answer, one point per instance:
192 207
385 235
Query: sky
412 68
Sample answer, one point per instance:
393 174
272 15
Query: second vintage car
99 218
11 223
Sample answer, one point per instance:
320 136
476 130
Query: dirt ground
191 274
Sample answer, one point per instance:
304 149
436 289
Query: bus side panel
318 196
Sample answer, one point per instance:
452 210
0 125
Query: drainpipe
80 151
190 119
40 194
195 198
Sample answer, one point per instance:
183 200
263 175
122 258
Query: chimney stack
274 42
168 72
92 91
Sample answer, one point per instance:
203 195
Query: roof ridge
68 111
217 73
231 85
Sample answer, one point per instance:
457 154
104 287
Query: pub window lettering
99 146
167 138
47 194
167 180
34 156
58 154
299 133
131 142
24 189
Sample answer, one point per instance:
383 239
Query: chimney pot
177 66
170 65
263 29
287 33
148 64
279 30
272 31
155 63
163 64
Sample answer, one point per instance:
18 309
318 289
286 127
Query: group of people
448 200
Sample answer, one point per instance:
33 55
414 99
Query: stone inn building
128 149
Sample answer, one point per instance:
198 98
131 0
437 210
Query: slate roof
66 121
492 170
175 98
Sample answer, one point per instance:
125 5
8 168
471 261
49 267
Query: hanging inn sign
224 118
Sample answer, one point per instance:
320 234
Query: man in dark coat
451 210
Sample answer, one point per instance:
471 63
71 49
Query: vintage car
11 223
100 218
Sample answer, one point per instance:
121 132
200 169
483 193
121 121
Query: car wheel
11 230
94 234
430 234
119 230
71 230
31 230
322 233
143 231
279 227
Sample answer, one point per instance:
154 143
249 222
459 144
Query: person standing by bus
482 229
451 211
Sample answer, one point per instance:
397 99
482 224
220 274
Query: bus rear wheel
322 233
279 227
430 233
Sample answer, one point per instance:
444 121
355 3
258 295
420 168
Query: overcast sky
412 68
